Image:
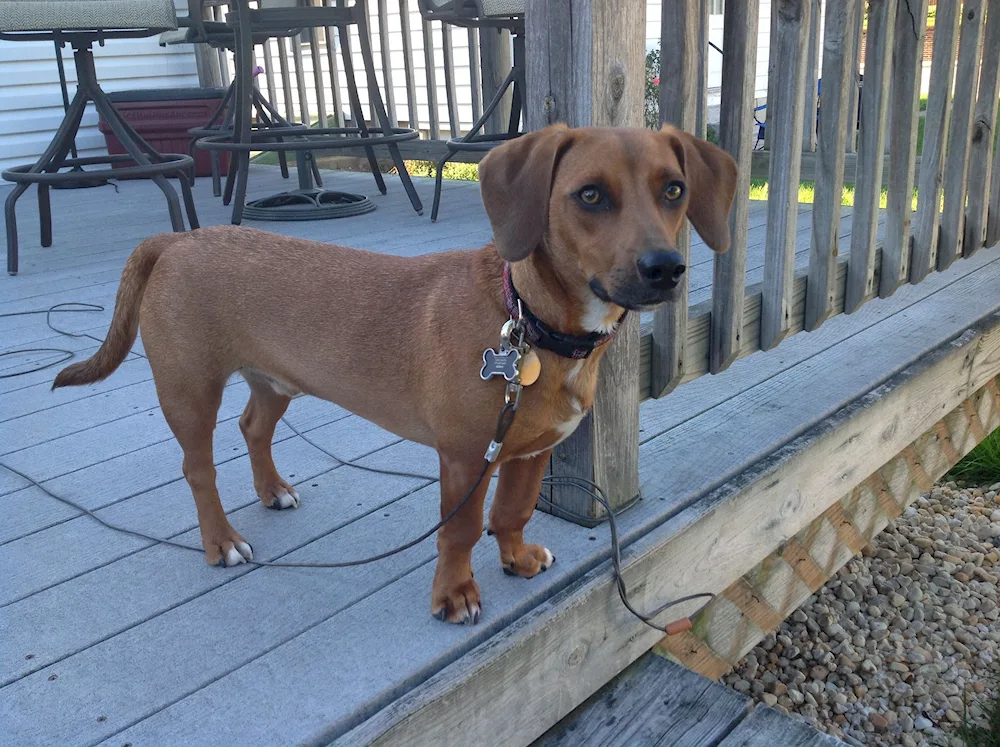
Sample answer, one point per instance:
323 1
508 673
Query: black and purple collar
540 335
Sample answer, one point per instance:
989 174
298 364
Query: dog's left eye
673 191
590 195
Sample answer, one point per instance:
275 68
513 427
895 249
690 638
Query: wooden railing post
739 73
836 130
871 152
983 135
679 106
588 69
786 100
908 56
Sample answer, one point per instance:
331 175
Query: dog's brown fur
399 341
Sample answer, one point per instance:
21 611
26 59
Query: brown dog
588 219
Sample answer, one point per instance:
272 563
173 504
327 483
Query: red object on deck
163 117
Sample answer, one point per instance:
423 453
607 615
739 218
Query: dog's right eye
591 196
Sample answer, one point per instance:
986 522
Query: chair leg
317 178
375 97
45 215
438 178
352 92
11 220
189 208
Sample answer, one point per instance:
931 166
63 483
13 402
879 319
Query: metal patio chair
80 23
483 14
196 29
271 18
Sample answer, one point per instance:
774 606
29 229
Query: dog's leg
191 414
261 415
517 494
455 595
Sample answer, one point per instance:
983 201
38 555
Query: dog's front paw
530 561
457 602
227 548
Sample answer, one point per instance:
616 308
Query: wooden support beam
784 121
983 135
494 51
835 129
771 591
585 66
871 148
679 106
739 71
925 233
908 56
956 172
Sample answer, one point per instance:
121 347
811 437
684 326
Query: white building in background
31 101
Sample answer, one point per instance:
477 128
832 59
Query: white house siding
31 102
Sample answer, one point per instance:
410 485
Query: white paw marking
287 499
245 550
549 559
233 557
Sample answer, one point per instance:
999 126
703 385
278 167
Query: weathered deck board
654 702
103 615
657 703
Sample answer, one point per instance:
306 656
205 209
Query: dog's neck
552 300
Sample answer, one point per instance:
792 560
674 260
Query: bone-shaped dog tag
500 363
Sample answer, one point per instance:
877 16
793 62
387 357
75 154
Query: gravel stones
885 652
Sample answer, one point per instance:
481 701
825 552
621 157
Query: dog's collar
541 335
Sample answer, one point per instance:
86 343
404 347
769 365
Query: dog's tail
124 323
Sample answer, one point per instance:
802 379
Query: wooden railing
957 175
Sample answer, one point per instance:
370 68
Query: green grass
807 193
984 731
982 464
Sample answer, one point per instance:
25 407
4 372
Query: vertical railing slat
286 81
836 129
388 91
701 92
853 91
871 152
430 74
956 173
317 65
495 62
739 73
300 79
925 234
272 94
908 57
474 77
449 78
678 106
411 86
812 79
983 131
772 66
784 120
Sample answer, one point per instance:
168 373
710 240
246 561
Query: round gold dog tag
530 368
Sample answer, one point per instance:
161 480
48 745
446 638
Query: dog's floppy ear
711 179
515 180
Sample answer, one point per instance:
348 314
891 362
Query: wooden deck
108 639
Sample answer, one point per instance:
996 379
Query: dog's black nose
661 269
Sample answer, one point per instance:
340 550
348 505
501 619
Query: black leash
504 421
